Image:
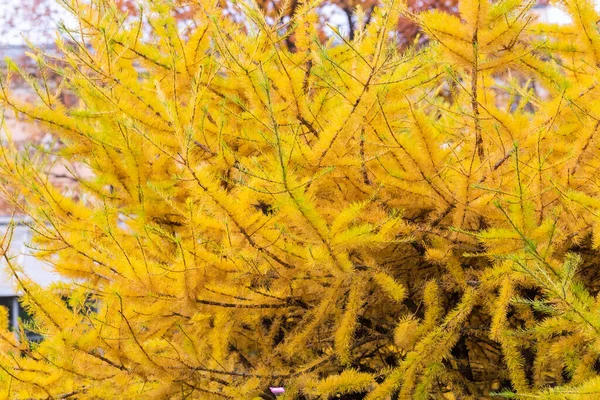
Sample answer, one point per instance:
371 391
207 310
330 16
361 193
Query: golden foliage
341 219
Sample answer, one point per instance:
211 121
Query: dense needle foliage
344 219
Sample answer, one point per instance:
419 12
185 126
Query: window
17 315
10 303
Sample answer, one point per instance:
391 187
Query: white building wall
21 255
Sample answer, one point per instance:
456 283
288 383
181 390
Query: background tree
37 19
322 219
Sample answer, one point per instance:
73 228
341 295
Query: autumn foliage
344 219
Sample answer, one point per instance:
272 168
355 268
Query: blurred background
37 20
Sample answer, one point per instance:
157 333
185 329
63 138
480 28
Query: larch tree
327 220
